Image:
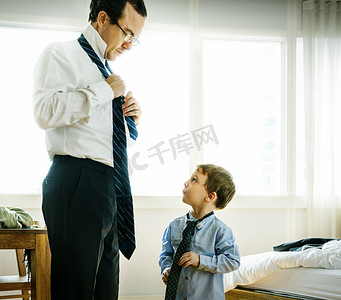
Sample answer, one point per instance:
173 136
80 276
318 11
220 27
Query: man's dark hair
115 8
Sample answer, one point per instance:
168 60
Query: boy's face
194 191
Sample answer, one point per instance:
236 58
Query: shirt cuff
164 268
204 263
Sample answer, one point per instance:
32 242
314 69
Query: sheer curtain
322 81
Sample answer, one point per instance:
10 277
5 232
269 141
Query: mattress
309 282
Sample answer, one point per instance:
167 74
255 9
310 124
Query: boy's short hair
220 181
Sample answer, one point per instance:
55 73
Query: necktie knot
190 225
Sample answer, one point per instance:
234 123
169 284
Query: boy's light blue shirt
214 241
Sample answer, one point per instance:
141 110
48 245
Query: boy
211 249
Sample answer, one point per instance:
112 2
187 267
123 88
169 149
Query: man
73 102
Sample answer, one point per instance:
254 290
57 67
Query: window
337 129
300 122
242 125
23 158
157 71
243 99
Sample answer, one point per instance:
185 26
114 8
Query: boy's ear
212 196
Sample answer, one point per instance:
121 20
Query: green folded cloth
14 217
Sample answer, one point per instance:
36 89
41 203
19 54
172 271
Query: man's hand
131 107
189 258
117 84
165 275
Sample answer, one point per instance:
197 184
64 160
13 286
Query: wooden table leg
41 269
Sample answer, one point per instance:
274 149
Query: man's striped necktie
124 200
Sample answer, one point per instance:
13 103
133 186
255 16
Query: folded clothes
14 217
303 244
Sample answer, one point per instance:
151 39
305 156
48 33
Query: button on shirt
72 101
214 242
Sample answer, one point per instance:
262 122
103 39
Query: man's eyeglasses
129 37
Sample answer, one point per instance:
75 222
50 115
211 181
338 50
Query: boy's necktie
124 200
184 246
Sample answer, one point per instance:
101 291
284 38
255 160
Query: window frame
197 34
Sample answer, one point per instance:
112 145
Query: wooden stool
17 282
40 259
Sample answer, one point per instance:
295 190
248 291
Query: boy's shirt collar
200 224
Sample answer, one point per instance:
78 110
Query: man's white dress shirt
72 101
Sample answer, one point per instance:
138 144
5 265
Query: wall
256 14
257 229
258 224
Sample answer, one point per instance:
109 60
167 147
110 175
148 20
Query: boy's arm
166 256
227 258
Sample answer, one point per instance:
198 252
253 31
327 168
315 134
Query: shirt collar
95 41
202 223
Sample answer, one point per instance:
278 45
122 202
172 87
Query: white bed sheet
311 282
258 266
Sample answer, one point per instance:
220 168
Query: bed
309 274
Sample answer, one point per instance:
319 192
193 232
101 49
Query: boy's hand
189 258
165 274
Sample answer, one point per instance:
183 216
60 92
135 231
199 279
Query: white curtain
322 82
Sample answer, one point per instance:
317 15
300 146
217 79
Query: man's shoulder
63 47
65 52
